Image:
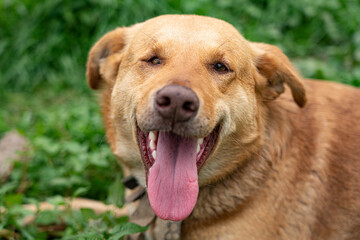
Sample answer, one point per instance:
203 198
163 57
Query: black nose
176 102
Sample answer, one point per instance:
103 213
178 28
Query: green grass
44 96
66 134
68 157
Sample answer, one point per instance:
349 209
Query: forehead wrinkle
155 41
146 44
223 43
219 52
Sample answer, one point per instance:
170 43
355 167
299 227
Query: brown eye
220 67
154 60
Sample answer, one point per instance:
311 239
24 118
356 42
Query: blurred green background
44 95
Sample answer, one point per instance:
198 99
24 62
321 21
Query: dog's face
184 101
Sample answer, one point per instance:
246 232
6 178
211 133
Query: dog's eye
220 67
154 60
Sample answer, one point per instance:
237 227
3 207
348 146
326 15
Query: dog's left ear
104 59
275 70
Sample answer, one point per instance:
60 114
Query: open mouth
172 164
149 140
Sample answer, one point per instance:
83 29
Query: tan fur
280 170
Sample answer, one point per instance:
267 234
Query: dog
225 133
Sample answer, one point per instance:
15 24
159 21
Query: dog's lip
206 145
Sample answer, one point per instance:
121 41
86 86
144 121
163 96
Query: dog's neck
232 192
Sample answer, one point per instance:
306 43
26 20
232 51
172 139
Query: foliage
43 94
69 157
69 149
47 41
67 224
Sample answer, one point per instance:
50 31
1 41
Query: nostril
189 106
163 101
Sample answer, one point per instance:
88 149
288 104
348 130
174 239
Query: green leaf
116 192
56 200
88 213
125 229
13 199
7 187
19 210
47 217
50 146
85 236
60 182
80 191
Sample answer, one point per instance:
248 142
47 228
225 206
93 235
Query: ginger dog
226 135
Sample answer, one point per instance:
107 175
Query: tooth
152 136
152 145
200 141
153 154
198 148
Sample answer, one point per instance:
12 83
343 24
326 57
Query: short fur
280 170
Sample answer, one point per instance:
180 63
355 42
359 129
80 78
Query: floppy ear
104 58
275 70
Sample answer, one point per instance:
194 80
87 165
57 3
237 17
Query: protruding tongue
173 180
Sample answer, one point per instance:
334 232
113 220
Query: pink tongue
173 181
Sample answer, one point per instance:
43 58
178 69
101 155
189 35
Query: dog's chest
259 220
249 224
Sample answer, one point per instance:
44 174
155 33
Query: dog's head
183 99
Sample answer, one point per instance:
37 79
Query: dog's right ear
104 59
